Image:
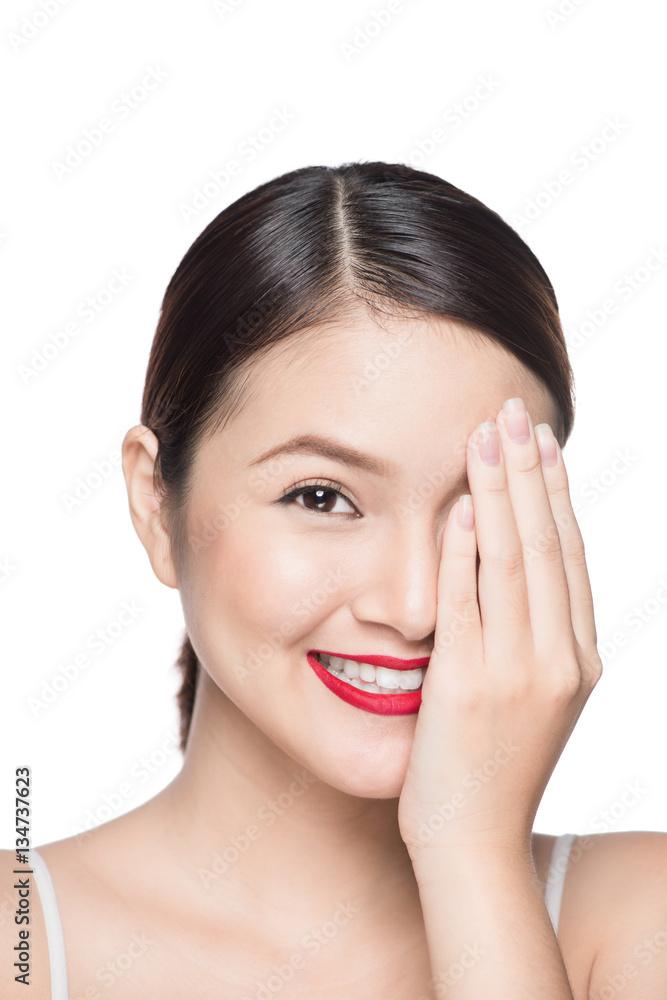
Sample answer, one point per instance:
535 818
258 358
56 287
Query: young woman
349 464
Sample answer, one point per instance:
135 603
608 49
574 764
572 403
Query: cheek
260 583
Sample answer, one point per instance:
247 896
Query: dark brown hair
305 248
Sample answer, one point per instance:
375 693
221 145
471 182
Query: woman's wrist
433 862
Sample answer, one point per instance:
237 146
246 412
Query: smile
372 686
373 678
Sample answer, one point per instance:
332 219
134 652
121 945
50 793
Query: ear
140 447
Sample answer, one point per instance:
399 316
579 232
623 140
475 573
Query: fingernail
488 442
516 420
546 442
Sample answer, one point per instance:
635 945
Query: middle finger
501 584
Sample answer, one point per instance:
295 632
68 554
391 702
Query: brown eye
319 499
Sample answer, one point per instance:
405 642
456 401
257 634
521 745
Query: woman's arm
513 664
487 928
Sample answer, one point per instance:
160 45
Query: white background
355 91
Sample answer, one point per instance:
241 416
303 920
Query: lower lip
405 703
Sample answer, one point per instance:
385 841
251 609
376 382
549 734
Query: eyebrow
316 444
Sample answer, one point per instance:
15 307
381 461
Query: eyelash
313 487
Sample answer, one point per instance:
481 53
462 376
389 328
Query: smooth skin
293 837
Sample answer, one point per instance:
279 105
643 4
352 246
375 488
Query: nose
398 575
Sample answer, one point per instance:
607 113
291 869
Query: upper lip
393 662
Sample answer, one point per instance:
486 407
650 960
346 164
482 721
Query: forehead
403 378
407 394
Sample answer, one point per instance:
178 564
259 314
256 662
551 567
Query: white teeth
367 677
367 672
386 678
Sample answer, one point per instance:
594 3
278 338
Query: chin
377 776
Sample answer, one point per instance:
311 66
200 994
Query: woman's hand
515 656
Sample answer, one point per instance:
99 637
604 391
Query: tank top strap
54 930
553 894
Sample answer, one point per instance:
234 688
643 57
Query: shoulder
118 920
614 913
620 874
83 876
21 925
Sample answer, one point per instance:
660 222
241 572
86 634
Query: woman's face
263 582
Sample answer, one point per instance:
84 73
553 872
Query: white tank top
54 932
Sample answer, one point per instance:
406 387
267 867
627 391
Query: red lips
401 703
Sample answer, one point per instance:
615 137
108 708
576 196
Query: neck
259 828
